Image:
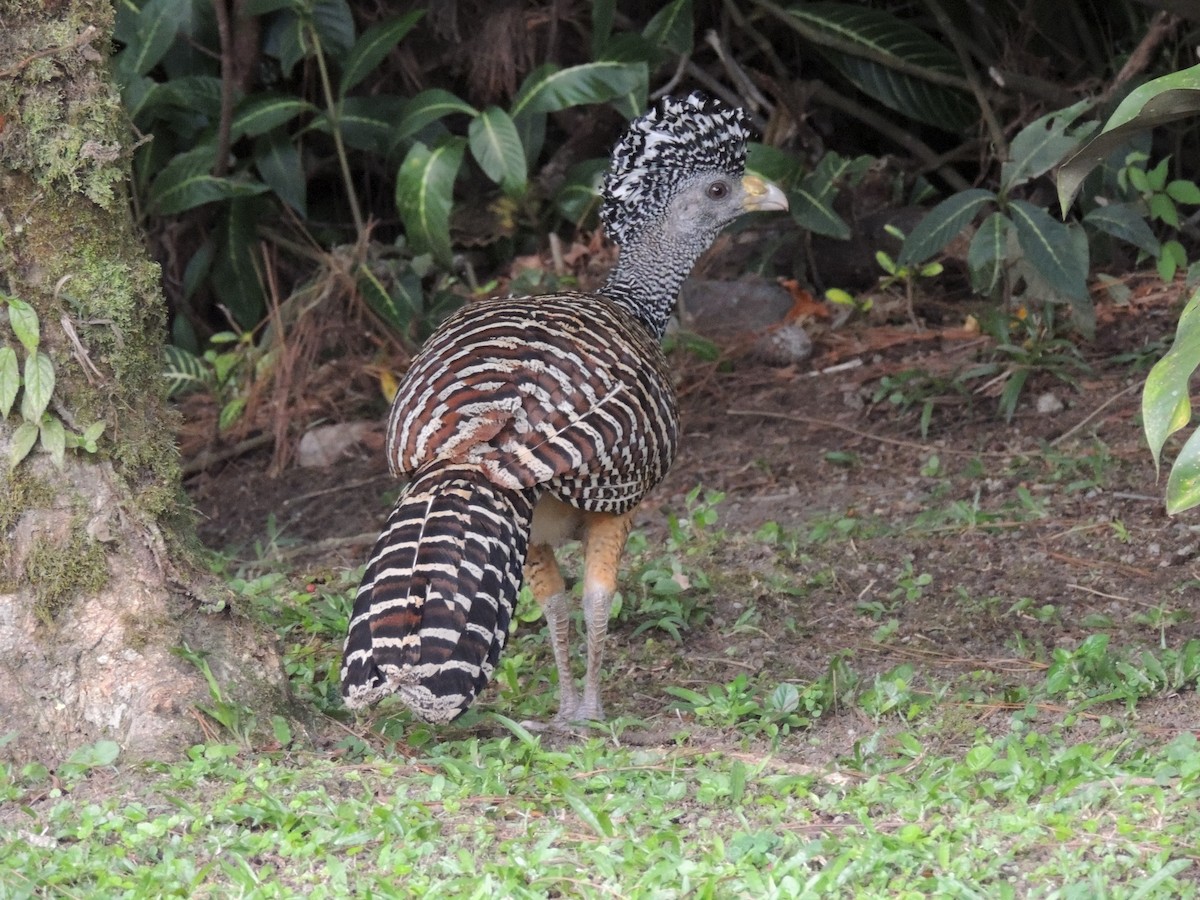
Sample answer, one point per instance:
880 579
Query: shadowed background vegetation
322 183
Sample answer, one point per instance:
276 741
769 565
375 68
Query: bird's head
680 169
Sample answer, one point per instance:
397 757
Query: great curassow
525 422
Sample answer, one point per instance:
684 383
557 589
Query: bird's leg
550 591
603 544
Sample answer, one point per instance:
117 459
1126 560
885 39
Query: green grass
1025 777
1022 815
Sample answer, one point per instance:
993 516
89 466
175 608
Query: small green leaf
1184 192
1138 179
231 412
497 148
54 439
92 433
1157 177
23 319
374 45
24 437
596 819
39 386
425 194
92 756
1163 209
942 224
10 380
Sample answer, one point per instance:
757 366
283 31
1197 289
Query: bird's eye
717 190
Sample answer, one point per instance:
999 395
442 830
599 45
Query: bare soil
1033 533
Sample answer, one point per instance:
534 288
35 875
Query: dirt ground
979 548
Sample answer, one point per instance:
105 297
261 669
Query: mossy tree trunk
97 584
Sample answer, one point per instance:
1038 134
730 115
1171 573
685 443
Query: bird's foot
572 718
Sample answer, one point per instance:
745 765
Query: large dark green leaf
811 202
195 93
236 270
155 27
549 88
603 12
1043 144
425 194
428 106
278 162
1166 99
778 166
1125 223
289 36
398 302
988 253
672 28
259 113
496 146
334 24
366 122
1049 247
942 224
187 182
578 196
262 7
885 34
375 44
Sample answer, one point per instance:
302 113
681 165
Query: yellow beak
762 196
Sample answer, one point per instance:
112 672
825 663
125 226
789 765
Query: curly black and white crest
675 140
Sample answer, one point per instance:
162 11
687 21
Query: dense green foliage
303 156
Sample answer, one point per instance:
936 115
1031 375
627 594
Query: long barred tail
432 613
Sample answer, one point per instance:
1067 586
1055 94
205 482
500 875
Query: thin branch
1095 412
225 123
82 38
1161 27
882 439
895 133
968 67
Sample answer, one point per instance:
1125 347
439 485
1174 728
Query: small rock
326 444
1048 403
784 345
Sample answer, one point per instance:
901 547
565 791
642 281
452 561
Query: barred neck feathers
674 182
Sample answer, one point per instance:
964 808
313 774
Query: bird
526 422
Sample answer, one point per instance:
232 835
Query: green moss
20 491
58 574
65 122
